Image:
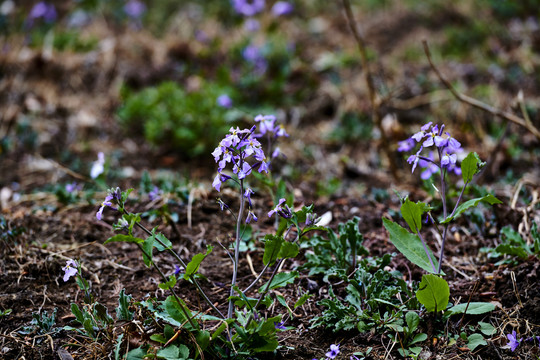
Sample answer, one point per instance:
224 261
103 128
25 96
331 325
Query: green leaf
409 245
169 284
470 166
288 250
418 338
474 308
487 328
165 242
193 266
412 319
272 247
412 213
433 293
136 354
148 247
490 199
302 300
174 311
124 238
506 249
118 347
122 311
173 352
280 280
475 340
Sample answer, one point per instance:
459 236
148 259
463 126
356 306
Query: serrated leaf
410 246
475 340
470 166
490 199
272 247
280 280
474 308
122 311
124 238
193 266
433 293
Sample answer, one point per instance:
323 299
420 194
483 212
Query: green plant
171 117
513 247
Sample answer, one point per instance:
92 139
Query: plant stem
427 251
236 247
445 212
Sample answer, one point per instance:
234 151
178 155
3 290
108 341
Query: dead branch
375 101
477 103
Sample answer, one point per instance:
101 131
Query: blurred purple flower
334 351
279 325
177 270
253 54
154 194
43 10
248 7
224 101
134 9
251 25
281 8
70 269
513 341
251 216
72 187
406 145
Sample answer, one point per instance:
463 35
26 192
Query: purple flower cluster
446 146
236 148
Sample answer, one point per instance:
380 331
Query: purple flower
247 195
253 55
72 187
334 351
218 180
70 269
106 203
154 194
43 10
513 341
282 8
252 25
134 9
251 216
222 204
406 145
177 270
283 211
280 325
266 123
248 7
224 101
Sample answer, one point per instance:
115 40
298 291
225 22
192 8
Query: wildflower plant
442 160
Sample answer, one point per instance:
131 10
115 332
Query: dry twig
477 103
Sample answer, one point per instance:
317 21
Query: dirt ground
68 102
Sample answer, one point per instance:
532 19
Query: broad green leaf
164 240
433 293
288 250
124 238
173 352
475 340
507 249
409 245
174 311
77 312
470 166
193 266
203 339
487 328
474 308
136 354
490 199
272 247
412 319
412 213
148 247
418 338
280 280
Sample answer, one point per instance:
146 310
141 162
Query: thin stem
236 247
170 287
177 257
427 251
445 212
